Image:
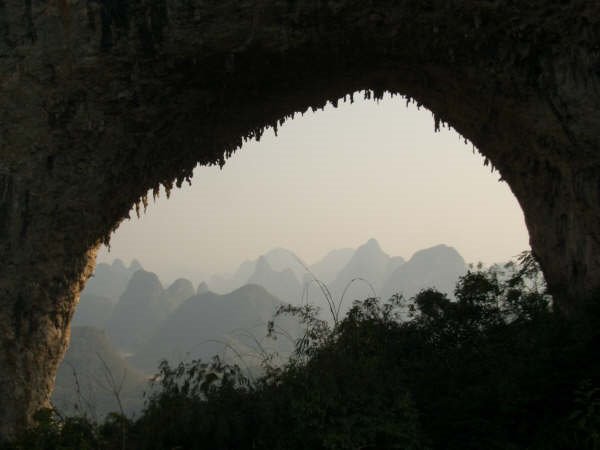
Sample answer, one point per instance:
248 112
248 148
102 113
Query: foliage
53 432
496 368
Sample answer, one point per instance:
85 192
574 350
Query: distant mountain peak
142 286
370 247
439 247
135 266
202 288
438 266
327 268
442 250
118 264
182 288
109 280
179 283
250 288
140 309
262 265
283 284
279 250
368 262
372 243
147 280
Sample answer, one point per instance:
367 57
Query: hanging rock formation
105 99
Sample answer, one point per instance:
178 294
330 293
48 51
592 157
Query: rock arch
101 101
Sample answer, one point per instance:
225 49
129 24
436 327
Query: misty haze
312 188
208 289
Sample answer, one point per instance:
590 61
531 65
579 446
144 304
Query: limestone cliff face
101 101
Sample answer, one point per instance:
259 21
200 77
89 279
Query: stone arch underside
101 101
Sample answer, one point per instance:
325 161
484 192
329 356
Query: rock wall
102 100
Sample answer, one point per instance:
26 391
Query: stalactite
145 202
168 185
436 120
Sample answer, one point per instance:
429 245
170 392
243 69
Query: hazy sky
331 179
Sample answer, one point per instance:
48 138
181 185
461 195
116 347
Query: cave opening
371 179
88 128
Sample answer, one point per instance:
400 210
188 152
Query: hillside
279 259
179 291
84 384
110 280
368 262
282 284
327 268
202 324
142 308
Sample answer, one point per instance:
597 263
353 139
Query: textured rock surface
105 99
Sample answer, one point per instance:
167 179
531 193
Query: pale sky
331 179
